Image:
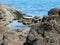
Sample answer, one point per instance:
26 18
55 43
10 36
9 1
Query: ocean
33 7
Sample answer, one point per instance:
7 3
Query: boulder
54 11
46 32
10 38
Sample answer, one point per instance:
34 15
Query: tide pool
18 25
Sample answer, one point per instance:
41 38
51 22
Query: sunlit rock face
8 13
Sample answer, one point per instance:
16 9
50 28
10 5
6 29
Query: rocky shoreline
45 31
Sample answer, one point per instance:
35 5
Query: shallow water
34 7
18 25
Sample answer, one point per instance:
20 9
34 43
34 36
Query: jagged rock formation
8 13
47 32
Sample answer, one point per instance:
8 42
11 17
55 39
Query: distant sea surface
33 7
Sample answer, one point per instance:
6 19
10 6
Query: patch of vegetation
15 19
10 21
18 30
5 25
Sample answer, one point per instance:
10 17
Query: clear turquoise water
33 7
